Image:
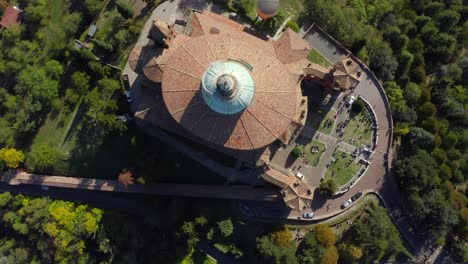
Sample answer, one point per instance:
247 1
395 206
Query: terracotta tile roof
162 27
291 47
180 108
347 74
12 16
151 61
267 118
316 71
152 111
208 23
297 194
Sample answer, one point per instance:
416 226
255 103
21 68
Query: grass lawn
314 158
327 124
316 57
359 130
292 8
53 132
341 171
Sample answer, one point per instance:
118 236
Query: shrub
358 105
328 187
125 8
56 105
93 6
42 157
97 67
297 151
103 45
71 98
293 25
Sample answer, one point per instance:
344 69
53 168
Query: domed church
222 86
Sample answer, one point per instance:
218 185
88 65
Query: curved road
378 177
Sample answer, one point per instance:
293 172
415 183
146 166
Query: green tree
42 157
34 80
417 172
269 252
382 61
225 227
330 256
421 137
125 8
412 93
325 235
12 157
54 69
80 81
281 237
328 187
93 6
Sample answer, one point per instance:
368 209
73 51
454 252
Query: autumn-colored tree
12 157
126 177
355 252
281 237
325 235
330 256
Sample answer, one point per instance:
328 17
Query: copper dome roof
265 119
267 8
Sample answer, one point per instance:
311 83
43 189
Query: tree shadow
195 4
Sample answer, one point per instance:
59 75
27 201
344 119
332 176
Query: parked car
125 118
308 215
126 82
128 94
300 175
346 203
351 100
356 196
326 99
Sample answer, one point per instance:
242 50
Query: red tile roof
265 120
291 47
297 194
12 16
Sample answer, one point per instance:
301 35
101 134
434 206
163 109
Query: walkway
236 192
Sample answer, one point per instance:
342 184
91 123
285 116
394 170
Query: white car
300 175
308 215
351 100
346 203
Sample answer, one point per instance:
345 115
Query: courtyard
358 132
311 150
335 142
343 168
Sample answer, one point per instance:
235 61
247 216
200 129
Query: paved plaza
333 141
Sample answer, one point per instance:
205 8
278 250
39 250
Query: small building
12 16
92 30
297 194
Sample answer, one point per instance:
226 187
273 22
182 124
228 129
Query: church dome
267 8
227 87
